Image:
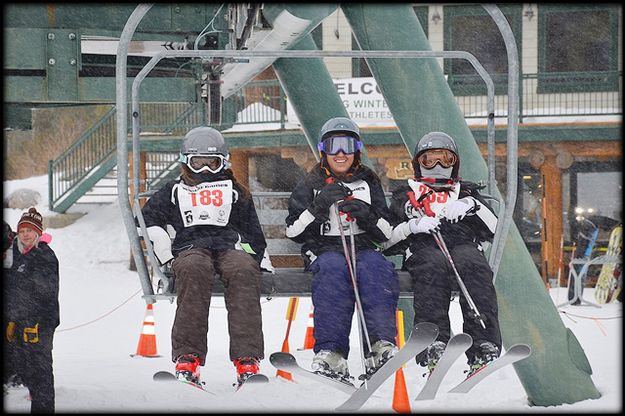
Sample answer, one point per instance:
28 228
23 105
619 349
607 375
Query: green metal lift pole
421 101
306 81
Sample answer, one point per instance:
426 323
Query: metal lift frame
127 210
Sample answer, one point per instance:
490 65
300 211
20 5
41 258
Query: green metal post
306 81
421 101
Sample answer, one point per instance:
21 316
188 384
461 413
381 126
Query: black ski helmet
436 140
339 125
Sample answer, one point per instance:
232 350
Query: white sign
362 100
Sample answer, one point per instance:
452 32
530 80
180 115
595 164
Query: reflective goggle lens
346 144
430 158
200 163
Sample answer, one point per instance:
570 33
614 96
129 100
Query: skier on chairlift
217 231
438 204
342 200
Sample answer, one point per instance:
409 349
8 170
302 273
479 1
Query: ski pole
351 267
424 210
362 326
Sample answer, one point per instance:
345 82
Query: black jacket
31 288
475 229
242 226
301 229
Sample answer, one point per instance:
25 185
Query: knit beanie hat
31 219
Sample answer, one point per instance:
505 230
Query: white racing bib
208 203
437 200
360 190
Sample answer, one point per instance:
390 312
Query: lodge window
359 65
472 29
595 190
577 47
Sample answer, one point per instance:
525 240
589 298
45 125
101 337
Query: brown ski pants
195 271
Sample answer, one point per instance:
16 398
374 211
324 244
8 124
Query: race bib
437 200
208 203
360 190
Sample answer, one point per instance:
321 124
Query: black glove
323 201
7 236
357 209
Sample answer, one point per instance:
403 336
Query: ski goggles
202 163
346 144
429 158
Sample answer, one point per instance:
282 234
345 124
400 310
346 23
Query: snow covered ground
102 314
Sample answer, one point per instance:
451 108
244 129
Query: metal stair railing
193 114
74 165
91 157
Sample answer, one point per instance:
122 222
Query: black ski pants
32 362
434 280
194 271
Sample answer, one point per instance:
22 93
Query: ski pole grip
422 204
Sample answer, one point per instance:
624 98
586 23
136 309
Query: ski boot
246 367
14 381
381 352
331 364
187 368
487 352
432 356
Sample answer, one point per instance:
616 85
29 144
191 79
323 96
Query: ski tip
163 376
426 327
281 357
462 338
521 349
257 379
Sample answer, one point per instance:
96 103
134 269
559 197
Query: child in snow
217 231
341 183
464 220
31 311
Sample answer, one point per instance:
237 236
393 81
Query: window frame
576 81
513 13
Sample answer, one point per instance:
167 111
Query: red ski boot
187 368
246 367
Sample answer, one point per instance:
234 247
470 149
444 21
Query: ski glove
10 332
424 225
356 208
328 195
457 210
31 334
161 243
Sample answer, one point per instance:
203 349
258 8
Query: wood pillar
143 175
551 233
240 166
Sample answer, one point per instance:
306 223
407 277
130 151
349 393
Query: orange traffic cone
147 340
401 403
309 341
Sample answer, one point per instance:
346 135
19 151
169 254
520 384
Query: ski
456 346
253 379
287 362
515 353
423 334
169 377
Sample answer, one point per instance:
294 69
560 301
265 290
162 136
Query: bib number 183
207 197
